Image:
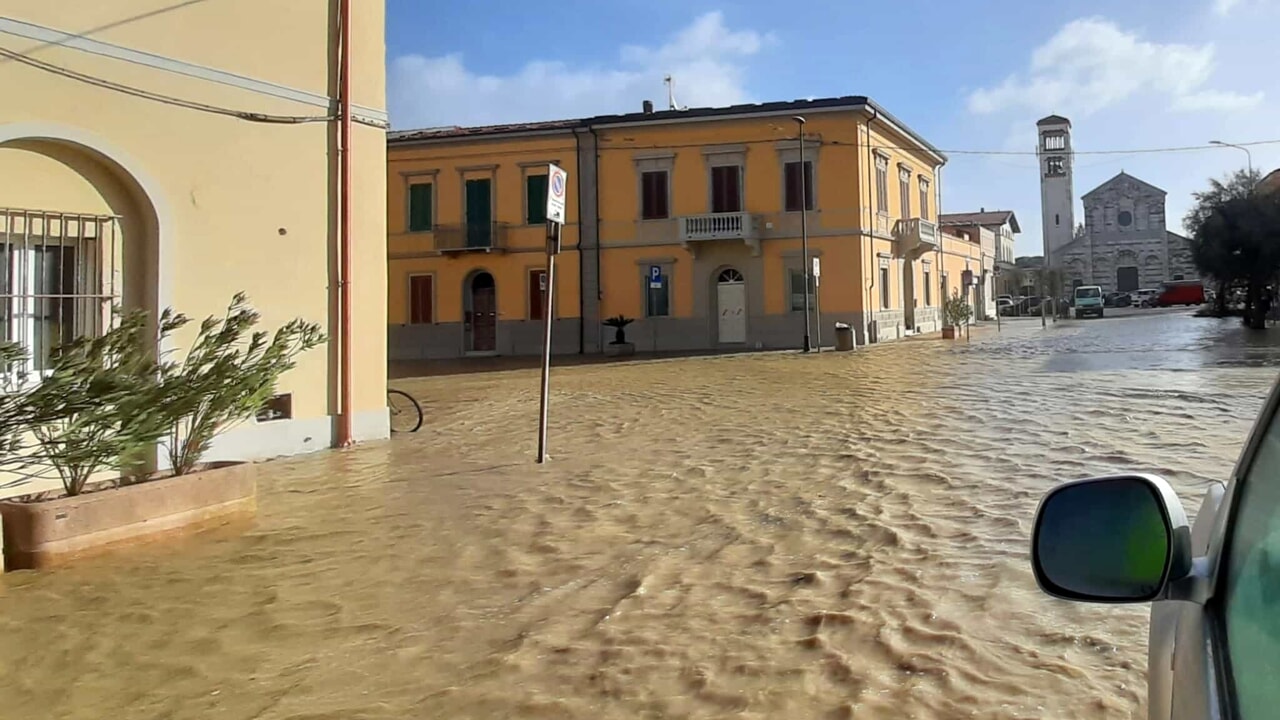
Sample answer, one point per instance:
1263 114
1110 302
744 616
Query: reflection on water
763 536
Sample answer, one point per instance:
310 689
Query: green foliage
1239 184
14 410
1235 238
618 323
956 311
104 402
229 373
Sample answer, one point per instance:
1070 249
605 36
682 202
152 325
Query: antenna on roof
671 94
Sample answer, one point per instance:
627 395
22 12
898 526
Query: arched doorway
481 317
731 307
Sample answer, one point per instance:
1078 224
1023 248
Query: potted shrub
956 312
230 371
104 408
619 346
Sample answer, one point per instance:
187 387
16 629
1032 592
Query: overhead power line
162 98
631 147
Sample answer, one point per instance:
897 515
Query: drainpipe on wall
937 203
595 155
582 301
343 438
871 220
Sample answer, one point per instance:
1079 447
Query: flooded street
760 536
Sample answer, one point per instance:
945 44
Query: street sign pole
557 183
996 273
817 301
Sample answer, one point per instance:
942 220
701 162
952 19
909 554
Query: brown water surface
764 536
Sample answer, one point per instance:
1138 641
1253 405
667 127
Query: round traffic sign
557 185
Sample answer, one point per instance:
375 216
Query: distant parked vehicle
1117 299
1143 298
1088 301
1004 305
1180 292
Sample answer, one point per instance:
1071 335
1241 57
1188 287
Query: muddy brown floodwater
762 536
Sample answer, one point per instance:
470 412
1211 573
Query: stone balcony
482 237
915 236
719 226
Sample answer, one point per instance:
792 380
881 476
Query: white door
731 303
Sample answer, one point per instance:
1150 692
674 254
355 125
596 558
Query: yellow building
466 246
687 221
169 154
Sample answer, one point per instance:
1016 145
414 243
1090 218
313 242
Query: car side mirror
1113 539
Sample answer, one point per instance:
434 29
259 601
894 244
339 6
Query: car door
1244 611
1223 660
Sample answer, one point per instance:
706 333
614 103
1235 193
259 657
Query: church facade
1124 244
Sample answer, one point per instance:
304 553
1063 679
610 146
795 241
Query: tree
228 375
103 403
1241 238
1212 260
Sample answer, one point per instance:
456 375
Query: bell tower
1057 195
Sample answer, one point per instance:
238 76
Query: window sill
419 232
656 219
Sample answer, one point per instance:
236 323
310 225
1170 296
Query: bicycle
406 413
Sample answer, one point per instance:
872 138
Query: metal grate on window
57 278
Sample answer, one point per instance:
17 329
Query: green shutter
420 219
535 199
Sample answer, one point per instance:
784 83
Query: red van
1180 292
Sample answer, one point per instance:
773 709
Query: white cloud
1224 8
706 58
1217 100
1091 64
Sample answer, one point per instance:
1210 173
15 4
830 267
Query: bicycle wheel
406 413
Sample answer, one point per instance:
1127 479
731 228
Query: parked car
1117 299
1088 301
1143 298
1180 292
1004 305
1214 645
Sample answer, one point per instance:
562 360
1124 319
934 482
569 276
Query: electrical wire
1033 153
169 99
544 152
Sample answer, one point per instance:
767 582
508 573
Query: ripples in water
762 536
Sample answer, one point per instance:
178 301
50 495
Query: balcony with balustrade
695 229
915 236
474 237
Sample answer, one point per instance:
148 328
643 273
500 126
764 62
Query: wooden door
484 320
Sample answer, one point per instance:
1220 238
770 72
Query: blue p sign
655 276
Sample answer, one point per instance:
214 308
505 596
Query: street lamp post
804 231
1247 154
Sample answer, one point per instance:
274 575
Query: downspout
582 301
871 230
595 159
343 438
937 202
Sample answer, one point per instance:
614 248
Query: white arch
130 169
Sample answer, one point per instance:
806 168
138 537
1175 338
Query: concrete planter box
620 349
43 533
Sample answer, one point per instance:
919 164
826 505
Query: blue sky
966 74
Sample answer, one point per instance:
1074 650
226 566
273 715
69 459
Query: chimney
982 209
648 107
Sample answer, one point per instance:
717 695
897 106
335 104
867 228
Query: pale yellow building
169 154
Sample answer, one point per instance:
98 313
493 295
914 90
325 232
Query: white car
1144 298
1214 638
